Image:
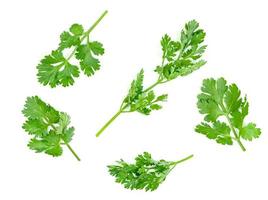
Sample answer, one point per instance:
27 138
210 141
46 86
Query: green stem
97 22
86 34
174 164
232 127
235 134
108 123
152 86
73 152
182 160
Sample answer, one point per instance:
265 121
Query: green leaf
136 88
162 97
35 126
54 151
249 132
88 63
220 131
239 115
68 134
37 145
96 48
49 67
155 107
68 40
63 123
67 75
232 98
50 144
170 48
77 29
35 108
209 107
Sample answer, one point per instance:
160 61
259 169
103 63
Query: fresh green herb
219 99
56 69
146 173
180 58
49 128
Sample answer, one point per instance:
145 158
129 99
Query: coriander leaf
68 73
57 68
219 99
96 48
232 99
250 132
77 29
68 40
169 48
209 102
89 64
135 88
35 127
35 108
239 115
146 173
49 127
220 131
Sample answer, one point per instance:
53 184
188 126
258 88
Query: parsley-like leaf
57 69
179 58
146 173
49 127
219 99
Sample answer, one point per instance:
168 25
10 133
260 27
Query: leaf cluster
57 69
145 173
219 100
143 102
48 127
181 57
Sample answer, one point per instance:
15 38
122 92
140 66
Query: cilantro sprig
57 69
146 173
220 101
179 58
49 128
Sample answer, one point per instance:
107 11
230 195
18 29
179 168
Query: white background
237 38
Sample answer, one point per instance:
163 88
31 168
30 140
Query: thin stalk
232 127
235 134
151 87
182 160
174 164
73 152
108 123
86 34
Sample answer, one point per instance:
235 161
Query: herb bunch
49 128
57 69
221 100
179 58
145 173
